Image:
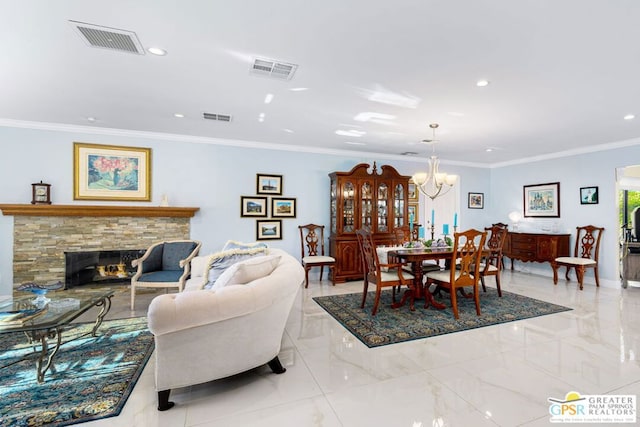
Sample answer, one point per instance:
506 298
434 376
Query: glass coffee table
47 327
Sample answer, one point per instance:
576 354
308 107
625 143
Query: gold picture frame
110 172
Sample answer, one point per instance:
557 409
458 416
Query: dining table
416 256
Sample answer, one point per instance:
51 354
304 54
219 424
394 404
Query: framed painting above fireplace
109 172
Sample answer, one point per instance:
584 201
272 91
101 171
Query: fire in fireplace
99 267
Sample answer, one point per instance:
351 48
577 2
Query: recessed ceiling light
157 51
288 130
354 143
178 115
91 119
261 117
298 89
482 83
488 150
268 98
352 132
629 117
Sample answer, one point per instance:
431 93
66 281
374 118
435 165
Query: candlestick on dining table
433 231
433 214
445 229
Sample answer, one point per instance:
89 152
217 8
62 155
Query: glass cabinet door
334 205
383 208
348 206
366 206
398 206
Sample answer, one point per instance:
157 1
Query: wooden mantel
93 210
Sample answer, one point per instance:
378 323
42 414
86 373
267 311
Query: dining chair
491 265
382 275
585 254
312 252
465 267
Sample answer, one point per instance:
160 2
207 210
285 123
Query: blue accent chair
164 265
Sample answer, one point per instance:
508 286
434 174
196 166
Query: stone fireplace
42 235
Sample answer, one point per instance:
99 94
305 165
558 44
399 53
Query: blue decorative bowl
40 291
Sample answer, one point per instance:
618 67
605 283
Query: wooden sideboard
535 247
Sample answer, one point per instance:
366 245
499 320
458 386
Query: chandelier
434 183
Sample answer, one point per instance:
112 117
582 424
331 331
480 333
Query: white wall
212 177
584 170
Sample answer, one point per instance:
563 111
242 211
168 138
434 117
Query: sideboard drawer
536 247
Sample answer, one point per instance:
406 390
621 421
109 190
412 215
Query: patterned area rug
390 326
91 377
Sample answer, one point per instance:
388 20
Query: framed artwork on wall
283 207
268 184
413 191
109 172
253 206
542 200
269 229
476 201
588 195
414 209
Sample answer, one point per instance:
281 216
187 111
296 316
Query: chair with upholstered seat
382 275
492 263
465 267
164 265
312 251
585 255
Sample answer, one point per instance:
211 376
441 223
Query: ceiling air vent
275 69
108 38
409 153
218 117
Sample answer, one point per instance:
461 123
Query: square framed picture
476 201
414 209
110 172
283 207
542 200
253 206
413 191
588 195
269 229
268 184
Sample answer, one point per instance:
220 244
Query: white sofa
203 335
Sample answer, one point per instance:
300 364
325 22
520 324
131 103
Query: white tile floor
500 375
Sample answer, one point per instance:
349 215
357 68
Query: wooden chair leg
454 303
306 277
133 297
580 275
321 272
595 272
365 289
498 284
484 288
566 274
332 271
554 266
377 301
476 299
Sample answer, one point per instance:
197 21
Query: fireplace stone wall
40 242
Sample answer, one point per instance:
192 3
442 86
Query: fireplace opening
99 267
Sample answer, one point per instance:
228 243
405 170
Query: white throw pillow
247 271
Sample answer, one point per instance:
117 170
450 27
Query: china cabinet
362 198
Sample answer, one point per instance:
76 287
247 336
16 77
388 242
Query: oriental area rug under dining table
391 326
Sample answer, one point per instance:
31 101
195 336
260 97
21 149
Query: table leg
106 306
45 350
423 291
